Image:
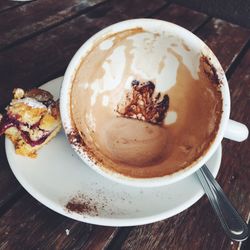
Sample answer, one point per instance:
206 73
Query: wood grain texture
225 39
23 23
33 62
30 225
7 5
233 11
10 189
190 229
9 186
197 227
46 56
182 16
235 166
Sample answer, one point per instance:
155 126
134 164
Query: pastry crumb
144 104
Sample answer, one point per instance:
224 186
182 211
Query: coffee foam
136 54
135 148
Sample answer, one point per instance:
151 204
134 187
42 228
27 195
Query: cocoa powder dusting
82 205
210 70
141 104
75 138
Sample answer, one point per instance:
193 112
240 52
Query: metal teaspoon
232 223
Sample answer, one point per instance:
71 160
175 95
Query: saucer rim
98 220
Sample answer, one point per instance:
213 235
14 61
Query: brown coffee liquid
141 149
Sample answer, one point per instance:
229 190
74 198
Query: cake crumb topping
143 104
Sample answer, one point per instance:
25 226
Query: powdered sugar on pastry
30 102
31 120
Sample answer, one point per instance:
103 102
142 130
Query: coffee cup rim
65 102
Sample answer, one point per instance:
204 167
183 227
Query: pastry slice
31 120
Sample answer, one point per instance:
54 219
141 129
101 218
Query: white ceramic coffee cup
228 128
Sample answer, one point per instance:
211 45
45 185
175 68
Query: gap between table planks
49 13
51 51
13 188
73 28
198 227
7 5
172 10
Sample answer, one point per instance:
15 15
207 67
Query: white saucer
57 174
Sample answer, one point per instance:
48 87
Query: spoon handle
231 221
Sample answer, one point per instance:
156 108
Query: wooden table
37 41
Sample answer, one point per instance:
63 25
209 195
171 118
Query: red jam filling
8 121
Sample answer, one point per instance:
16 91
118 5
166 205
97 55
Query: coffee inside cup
145 104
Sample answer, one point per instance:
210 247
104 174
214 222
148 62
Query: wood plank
197 227
176 238
225 39
60 44
25 76
9 186
30 225
23 23
72 40
237 155
51 54
47 55
182 16
7 5
229 10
